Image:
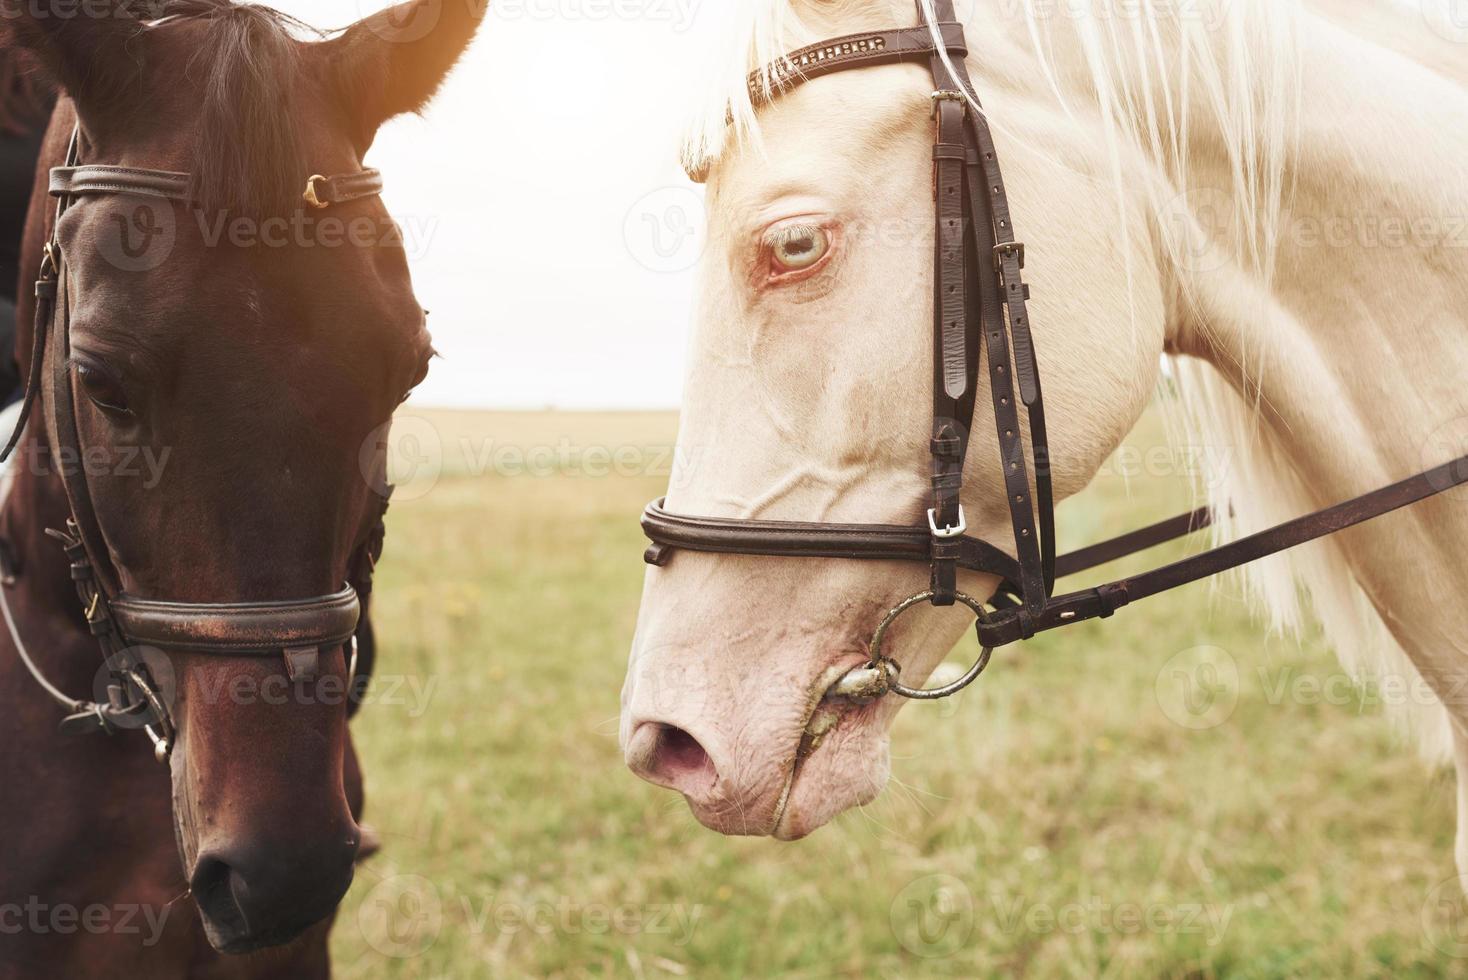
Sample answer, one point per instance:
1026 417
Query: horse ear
394 61
85 52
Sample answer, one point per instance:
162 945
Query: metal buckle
310 196
946 95
950 531
1005 249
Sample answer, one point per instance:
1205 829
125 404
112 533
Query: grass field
1076 814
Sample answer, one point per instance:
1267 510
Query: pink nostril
669 756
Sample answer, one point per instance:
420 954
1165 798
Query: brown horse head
248 346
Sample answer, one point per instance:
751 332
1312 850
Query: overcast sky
563 278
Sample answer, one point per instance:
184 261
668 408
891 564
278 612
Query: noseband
979 300
297 630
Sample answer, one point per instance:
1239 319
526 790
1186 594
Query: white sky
545 283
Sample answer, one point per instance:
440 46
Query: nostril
681 751
213 889
675 759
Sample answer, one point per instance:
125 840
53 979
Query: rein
296 630
979 300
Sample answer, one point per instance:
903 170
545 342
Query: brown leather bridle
298 630
979 300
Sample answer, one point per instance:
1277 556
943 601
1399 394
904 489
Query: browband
91 178
239 628
861 50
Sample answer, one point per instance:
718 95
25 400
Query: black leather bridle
298 630
979 301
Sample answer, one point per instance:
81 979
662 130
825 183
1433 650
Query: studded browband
980 299
297 630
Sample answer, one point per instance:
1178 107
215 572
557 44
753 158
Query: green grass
1054 821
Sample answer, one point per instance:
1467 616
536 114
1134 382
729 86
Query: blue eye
799 246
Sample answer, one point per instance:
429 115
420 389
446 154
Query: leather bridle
125 626
980 301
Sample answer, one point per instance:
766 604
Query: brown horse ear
82 46
394 61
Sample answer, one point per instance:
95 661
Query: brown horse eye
104 391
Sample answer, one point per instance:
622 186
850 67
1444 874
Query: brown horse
228 374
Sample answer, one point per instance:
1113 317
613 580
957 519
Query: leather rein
979 300
125 626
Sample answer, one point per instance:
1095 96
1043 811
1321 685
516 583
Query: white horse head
1148 150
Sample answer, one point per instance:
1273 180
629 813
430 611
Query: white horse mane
1158 68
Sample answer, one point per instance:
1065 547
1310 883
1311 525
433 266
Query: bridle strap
865 49
91 179
239 628
798 539
1103 600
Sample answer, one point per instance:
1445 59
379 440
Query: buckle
946 95
950 531
1004 250
310 196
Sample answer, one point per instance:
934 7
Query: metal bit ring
162 738
894 669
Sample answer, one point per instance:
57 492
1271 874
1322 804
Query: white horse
1273 196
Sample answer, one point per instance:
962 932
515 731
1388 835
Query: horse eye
796 247
104 390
